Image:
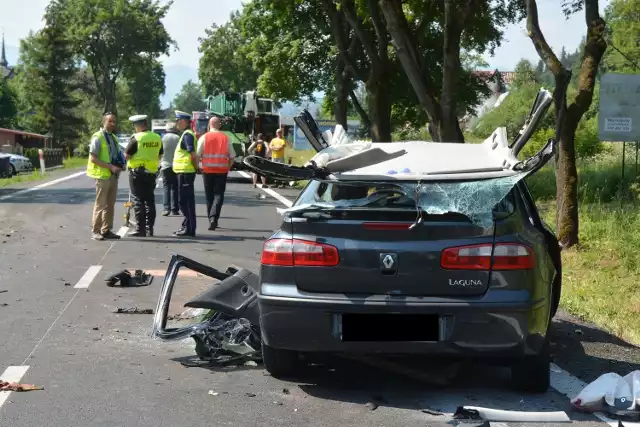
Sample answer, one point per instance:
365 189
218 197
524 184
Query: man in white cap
185 165
169 179
143 155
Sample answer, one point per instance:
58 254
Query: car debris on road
126 279
229 331
133 310
12 386
612 394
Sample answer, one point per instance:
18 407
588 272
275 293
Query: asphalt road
99 368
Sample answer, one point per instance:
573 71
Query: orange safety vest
215 153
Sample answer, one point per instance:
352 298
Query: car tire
13 171
280 363
532 373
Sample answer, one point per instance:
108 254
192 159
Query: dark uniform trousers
143 184
187 199
215 184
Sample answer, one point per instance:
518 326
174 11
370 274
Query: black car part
230 331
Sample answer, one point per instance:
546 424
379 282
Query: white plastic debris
340 146
498 415
611 393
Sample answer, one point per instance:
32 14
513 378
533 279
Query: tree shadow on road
588 352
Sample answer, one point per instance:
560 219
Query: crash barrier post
41 158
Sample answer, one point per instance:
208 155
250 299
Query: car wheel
12 172
531 374
280 363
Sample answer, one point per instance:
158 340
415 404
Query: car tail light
502 256
386 225
292 252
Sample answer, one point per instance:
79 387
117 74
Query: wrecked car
406 248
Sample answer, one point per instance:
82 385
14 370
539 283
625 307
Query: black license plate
390 327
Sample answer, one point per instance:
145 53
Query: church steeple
3 58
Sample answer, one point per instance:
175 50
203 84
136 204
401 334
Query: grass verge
600 276
37 175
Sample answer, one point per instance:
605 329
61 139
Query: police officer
143 155
185 165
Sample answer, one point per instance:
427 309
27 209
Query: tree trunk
109 95
366 122
341 93
454 16
567 225
379 103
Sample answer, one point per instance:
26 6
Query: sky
187 20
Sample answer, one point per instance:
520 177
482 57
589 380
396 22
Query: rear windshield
477 200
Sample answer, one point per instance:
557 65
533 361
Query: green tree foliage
225 64
190 98
525 74
145 81
623 23
112 35
289 42
8 105
46 75
429 37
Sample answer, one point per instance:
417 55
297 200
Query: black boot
138 233
150 231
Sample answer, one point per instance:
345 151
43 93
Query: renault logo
388 263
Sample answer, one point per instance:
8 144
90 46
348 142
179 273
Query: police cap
138 118
182 115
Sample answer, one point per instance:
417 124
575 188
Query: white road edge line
43 185
561 380
288 203
12 374
88 277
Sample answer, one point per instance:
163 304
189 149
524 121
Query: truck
159 126
244 115
200 122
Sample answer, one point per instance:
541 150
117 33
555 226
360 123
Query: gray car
456 263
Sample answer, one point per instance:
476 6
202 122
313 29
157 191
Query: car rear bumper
484 327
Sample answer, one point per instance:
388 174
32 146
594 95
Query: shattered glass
225 334
474 199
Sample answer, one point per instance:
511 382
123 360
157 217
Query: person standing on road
105 164
143 155
261 149
185 165
277 146
169 178
215 154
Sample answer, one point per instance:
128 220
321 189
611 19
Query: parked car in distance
20 164
6 170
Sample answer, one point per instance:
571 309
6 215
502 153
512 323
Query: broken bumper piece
229 330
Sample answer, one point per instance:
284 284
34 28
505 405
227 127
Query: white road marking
570 386
123 231
43 185
279 197
88 277
12 374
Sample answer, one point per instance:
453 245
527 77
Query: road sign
619 115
